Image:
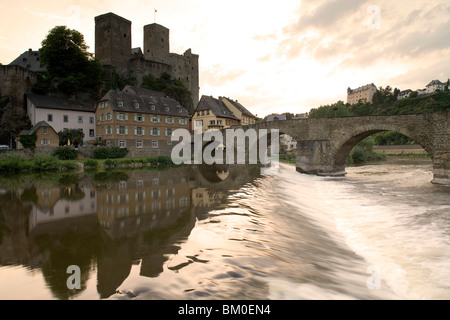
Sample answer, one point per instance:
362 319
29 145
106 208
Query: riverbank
18 163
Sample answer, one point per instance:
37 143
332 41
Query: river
380 232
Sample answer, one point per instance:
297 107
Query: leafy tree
28 141
11 121
115 81
70 67
74 135
174 88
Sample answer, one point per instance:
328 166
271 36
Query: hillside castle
113 49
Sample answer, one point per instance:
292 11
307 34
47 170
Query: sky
271 56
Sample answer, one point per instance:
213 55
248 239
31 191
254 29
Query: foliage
174 88
115 81
110 152
28 141
65 153
12 162
46 162
70 67
74 135
11 121
91 163
391 138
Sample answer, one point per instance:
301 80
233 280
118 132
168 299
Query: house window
169 142
91 120
122 143
120 103
91 133
139 131
167 109
155 119
207 112
122 116
155 144
45 130
182 121
168 132
65 118
139 144
170 120
45 142
212 122
136 105
219 122
108 116
108 143
199 123
101 117
80 119
152 107
122 129
139 117
49 117
108 130
154 132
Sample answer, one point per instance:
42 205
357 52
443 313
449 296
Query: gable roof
35 127
217 107
29 60
146 98
434 82
49 102
276 117
239 106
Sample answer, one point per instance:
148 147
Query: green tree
28 141
70 67
174 88
11 121
74 135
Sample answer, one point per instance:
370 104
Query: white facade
61 119
435 85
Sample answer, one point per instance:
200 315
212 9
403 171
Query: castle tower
112 39
156 43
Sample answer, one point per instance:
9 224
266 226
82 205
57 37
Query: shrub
65 153
110 152
12 162
358 155
46 162
91 163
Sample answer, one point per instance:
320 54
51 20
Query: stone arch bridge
324 143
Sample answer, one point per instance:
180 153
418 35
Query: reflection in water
105 223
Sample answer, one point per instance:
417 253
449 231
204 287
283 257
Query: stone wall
15 82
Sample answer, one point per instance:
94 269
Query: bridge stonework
323 144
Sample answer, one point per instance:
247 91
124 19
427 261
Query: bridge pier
441 169
315 157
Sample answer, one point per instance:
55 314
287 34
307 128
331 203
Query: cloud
219 75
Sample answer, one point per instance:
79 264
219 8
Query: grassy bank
12 162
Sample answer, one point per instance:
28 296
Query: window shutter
143 131
135 131
159 131
117 130
126 129
143 117
118 116
126 116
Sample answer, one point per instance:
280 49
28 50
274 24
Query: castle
113 49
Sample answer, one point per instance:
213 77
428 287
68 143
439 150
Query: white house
404 94
435 85
62 114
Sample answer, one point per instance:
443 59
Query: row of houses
139 119
365 93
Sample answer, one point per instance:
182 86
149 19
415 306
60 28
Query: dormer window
167 109
152 107
136 105
120 103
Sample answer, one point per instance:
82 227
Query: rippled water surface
381 232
